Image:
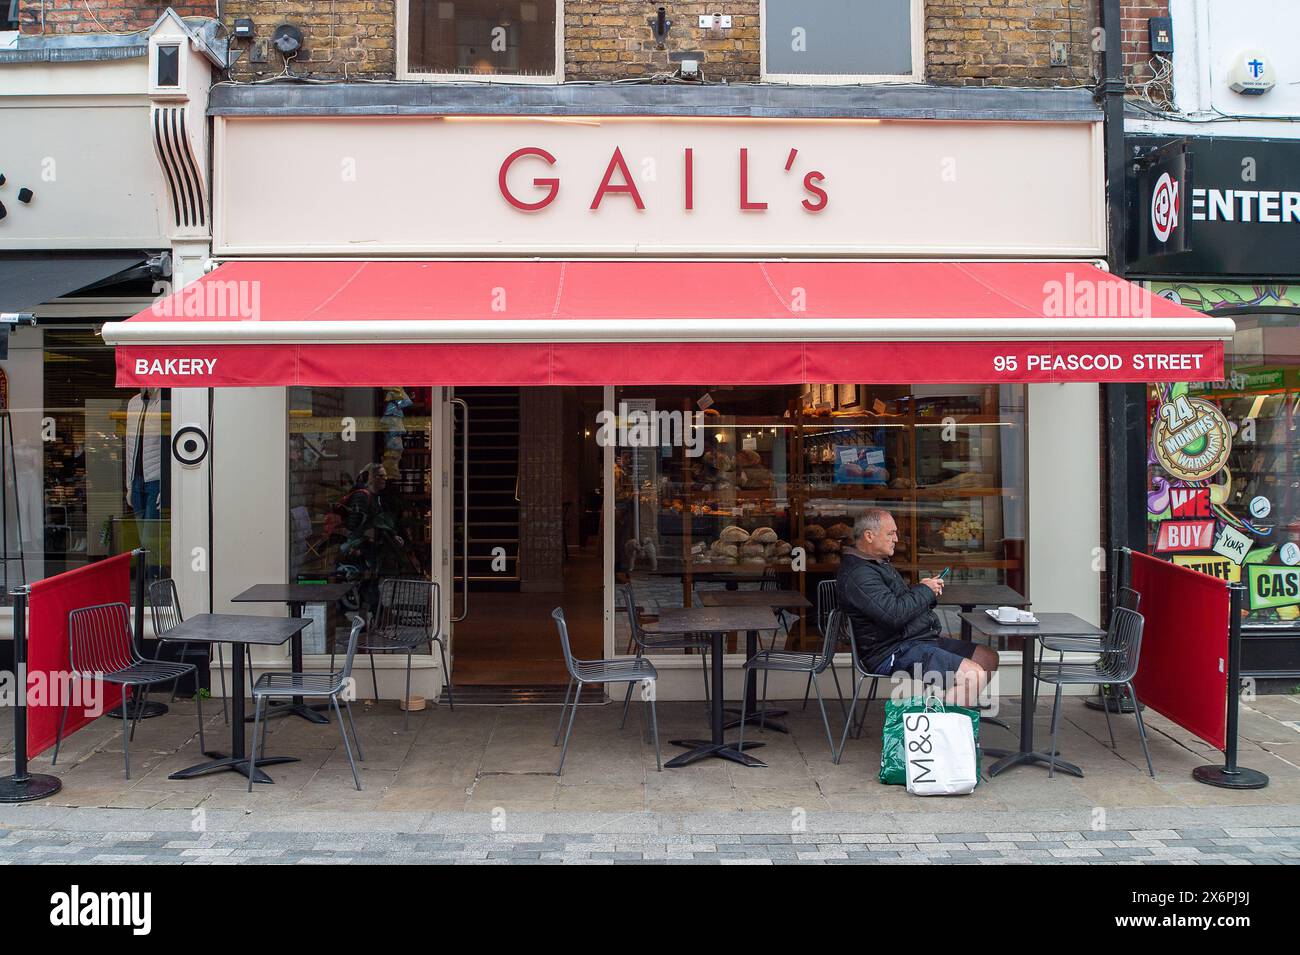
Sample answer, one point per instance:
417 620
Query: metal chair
165 611
828 600
582 672
668 641
861 674
409 614
332 685
797 661
1116 666
772 582
1125 597
102 647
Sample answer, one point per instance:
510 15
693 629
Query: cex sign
563 186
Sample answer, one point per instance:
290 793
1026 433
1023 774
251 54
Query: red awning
336 323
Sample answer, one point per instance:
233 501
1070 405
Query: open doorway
526 533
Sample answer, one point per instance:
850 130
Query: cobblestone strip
1146 847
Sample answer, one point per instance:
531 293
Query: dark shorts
932 658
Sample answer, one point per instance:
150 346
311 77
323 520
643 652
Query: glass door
523 534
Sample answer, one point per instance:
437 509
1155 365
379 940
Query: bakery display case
770 481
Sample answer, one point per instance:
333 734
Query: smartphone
943 574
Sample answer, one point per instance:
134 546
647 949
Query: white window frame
847 79
403 53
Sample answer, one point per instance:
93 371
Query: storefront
1229 213
91 230
543 350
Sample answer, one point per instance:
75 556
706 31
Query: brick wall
344 37
1009 42
977 43
610 41
98 16
1136 39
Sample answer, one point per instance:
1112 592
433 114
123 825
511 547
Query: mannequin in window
144 466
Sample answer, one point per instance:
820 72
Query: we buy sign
1176 536
1189 502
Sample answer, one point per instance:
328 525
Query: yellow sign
1213 566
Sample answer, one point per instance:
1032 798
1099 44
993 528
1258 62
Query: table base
1123 707
758 718
139 709
1030 759
307 711
234 765
702 748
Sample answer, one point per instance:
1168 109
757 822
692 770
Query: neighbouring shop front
87 235
537 357
1228 503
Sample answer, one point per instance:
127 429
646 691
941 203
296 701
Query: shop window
89 474
767 482
842 41
1227 501
517 40
359 495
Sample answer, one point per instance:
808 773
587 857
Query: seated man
894 625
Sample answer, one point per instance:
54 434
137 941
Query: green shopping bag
893 768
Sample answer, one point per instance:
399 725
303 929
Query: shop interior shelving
807 496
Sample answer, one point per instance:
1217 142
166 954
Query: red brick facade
98 16
978 43
1136 38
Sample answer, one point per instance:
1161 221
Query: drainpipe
1126 419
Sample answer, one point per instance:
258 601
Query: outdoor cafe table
296 596
774 600
968 596
717 622
1049 625
236 629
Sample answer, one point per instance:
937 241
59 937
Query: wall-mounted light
660 25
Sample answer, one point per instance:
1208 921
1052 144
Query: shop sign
1189 501
1192 438
1270 379
1160 219
1185 536
1232 544
1215 206
1220 567
630 185
1272 586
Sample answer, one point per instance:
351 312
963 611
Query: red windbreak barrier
1183 671
48 666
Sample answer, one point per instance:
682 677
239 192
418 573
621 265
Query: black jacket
882 609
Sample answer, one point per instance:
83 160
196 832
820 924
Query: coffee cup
1008 614
1025 616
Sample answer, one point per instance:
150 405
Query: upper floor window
8 15
842 41
513 40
